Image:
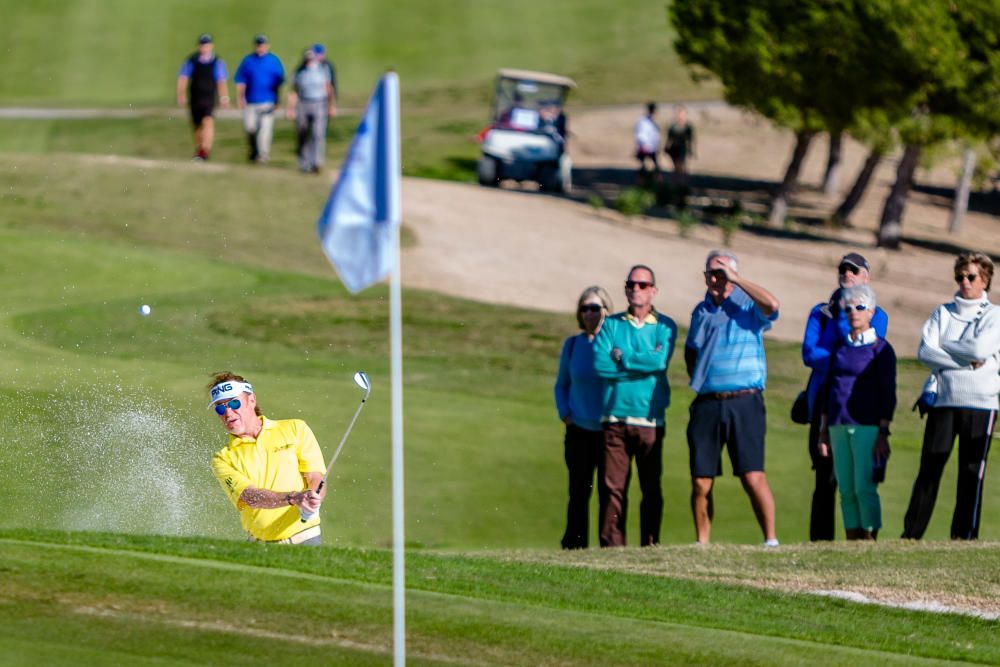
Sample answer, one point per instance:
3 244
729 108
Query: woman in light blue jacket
579 394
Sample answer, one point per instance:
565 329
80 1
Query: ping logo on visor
228 389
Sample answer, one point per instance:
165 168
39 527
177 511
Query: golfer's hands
616 355
308 503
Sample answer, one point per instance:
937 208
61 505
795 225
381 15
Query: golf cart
526 137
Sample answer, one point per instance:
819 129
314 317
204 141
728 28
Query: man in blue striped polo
724 354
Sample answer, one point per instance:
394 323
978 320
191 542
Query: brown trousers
622 443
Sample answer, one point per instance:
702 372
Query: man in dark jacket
201 83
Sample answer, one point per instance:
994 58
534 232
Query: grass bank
102 598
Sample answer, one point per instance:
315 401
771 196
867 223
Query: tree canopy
927 69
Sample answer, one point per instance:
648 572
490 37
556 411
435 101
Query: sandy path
520 248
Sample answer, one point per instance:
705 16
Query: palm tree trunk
831 179
843 214
890 230
961 204
779 204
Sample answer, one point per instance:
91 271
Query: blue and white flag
359 222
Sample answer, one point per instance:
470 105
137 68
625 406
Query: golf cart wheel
488 170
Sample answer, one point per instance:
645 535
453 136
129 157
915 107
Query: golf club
360 379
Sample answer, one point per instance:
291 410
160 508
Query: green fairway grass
99 395
127 52
101 599
446 54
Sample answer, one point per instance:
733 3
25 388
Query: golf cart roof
538 77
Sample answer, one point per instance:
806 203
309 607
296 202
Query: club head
361 379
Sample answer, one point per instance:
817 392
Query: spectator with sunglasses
961 345
579 393
270 468
631 352
858 400
724 355
826 329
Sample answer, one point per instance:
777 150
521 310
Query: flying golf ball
145 310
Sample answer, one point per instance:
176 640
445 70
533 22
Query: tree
817 65
960 97
808 65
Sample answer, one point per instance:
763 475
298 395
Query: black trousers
974 429
584 454
822 517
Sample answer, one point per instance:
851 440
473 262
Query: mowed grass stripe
693 637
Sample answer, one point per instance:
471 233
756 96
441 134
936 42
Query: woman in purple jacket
579 394
860 393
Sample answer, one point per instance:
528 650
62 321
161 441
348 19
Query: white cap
227 389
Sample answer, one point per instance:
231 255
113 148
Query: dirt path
518 247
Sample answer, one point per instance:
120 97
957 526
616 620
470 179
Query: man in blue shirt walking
258 82
724 354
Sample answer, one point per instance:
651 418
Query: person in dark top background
680 145
201 84
860 393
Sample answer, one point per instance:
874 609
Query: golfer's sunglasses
233 403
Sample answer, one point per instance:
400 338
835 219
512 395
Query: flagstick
396 356
398 569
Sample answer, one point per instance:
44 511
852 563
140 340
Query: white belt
297 538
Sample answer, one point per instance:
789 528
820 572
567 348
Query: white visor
228 389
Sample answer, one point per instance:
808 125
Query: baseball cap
260 38
318 49
855 259
205 38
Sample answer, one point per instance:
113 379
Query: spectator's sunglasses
233 403
591 308
858 306
637 284
844 268
971 277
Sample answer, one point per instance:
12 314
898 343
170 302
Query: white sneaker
771 543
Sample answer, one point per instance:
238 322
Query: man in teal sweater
632 351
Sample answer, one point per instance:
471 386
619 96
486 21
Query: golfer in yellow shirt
270 468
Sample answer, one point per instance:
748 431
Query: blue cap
260 39
205 38
318 49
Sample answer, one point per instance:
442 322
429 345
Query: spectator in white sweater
961 346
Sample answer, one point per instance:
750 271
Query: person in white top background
961 345
647 143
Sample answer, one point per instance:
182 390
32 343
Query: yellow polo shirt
283 451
